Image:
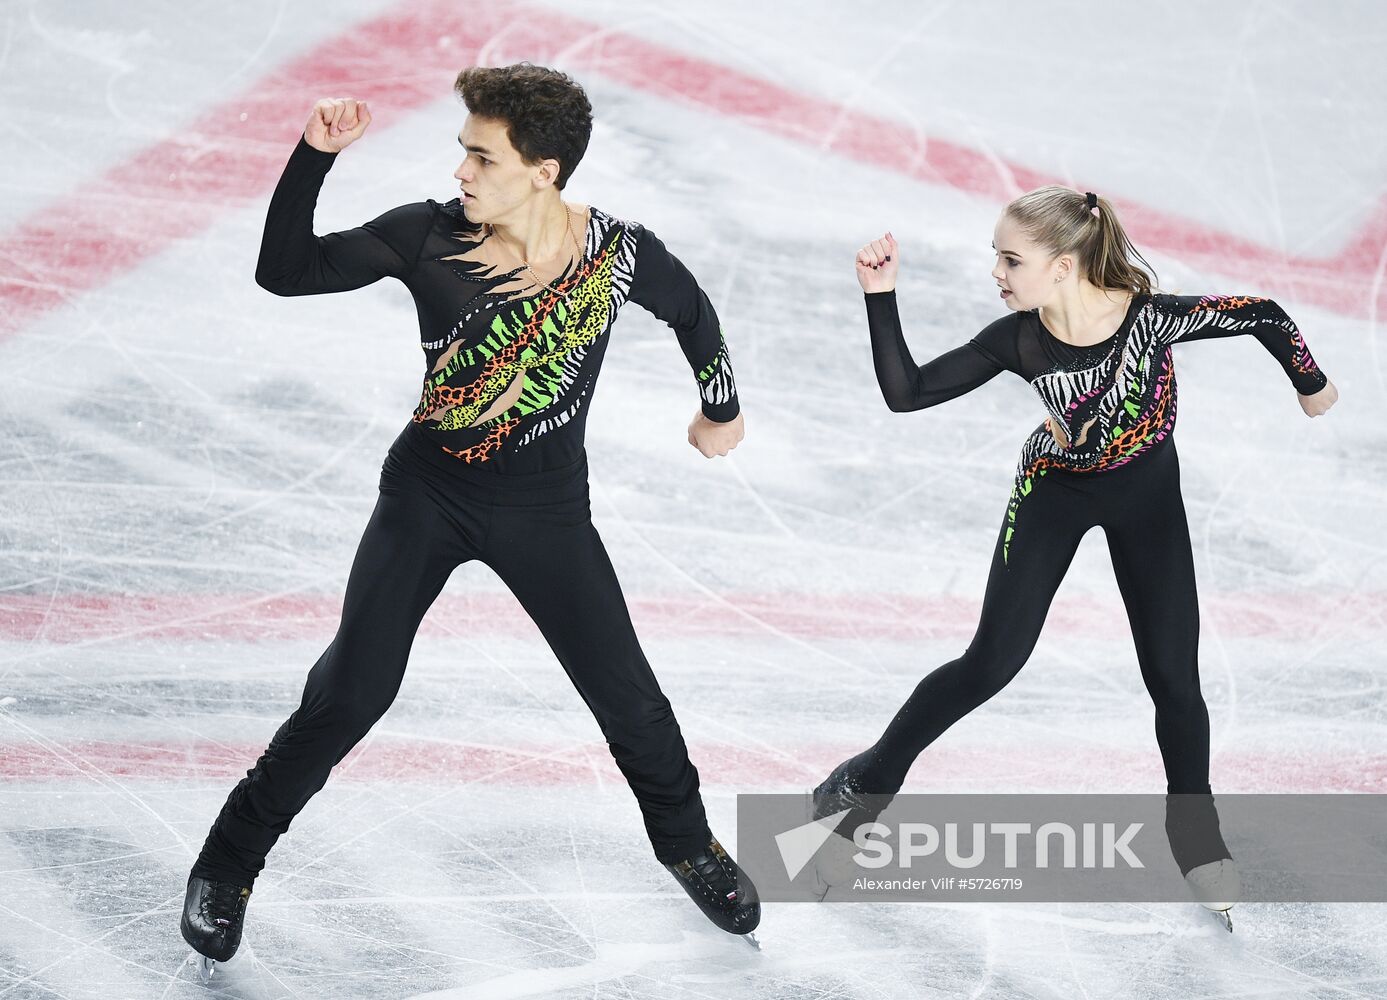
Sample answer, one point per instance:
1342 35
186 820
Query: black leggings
536 534
1140 509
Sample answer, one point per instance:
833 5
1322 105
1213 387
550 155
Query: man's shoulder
451 210
607 222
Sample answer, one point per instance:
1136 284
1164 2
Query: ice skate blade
205 966
1224 917
750 938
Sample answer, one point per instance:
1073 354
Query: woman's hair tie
1091 200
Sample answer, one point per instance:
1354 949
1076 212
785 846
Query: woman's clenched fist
877 263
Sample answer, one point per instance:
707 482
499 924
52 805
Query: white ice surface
180 435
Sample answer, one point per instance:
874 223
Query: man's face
496 181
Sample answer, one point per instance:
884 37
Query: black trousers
535 532
1140 509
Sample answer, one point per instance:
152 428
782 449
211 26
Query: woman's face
495 179
1026 274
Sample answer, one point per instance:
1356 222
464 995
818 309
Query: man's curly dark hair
547 114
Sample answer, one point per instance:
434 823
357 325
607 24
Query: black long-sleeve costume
510 492
476 340
1117 468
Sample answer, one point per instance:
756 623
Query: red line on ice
1013 768
249 618
404 59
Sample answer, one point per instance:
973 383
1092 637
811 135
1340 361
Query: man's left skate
722 890
213 915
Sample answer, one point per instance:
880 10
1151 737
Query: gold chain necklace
568 224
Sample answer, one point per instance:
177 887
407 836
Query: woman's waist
1116 458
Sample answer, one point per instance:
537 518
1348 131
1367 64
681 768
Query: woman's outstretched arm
904 384
1202 317
907 386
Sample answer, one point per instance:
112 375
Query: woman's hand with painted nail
877 263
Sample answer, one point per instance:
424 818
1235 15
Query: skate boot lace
223 899
709 867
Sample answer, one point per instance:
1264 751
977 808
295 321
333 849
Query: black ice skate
721 890
841 792
213 913
1191 824
1217 886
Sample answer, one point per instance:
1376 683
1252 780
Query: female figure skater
516 292
1089 332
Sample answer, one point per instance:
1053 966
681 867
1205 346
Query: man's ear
547 173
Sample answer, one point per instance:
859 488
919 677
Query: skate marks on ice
125 475
60 940
710 959
431 907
